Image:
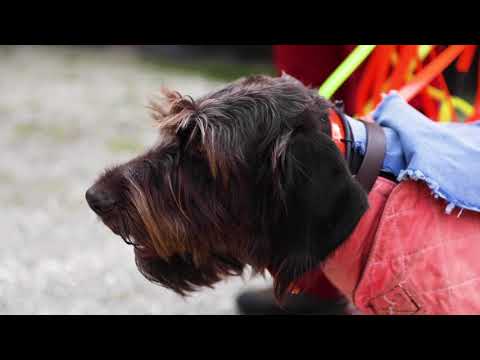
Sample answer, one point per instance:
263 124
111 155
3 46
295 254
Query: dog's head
244 175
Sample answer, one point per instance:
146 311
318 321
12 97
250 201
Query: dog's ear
321 204
291 78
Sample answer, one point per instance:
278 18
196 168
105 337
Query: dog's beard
180 274
165 254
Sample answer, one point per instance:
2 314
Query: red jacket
406 256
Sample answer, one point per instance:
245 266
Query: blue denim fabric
445 156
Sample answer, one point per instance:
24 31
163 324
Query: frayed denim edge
436 191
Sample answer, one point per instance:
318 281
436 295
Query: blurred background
66 113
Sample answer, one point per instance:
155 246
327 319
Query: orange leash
465 60
408 54
382 70
476 112
365 85
431 71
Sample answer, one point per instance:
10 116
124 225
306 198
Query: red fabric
407 256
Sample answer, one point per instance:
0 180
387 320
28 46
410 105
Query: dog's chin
116 231
113 226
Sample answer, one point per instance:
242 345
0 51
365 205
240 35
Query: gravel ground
65 114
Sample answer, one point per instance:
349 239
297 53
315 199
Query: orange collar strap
337 131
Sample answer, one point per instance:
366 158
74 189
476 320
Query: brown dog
246 175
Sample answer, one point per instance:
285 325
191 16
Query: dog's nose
99 200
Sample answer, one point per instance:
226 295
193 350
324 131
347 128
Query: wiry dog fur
244 175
